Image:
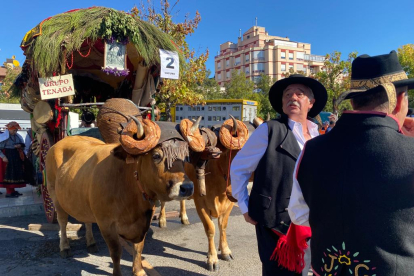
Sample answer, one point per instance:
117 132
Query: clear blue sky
365 26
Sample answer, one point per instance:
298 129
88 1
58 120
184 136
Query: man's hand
248 219
408 126
5 160
333 118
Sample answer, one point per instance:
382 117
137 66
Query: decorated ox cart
79 59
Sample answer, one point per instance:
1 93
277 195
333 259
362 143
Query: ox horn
268 117
234 128
140 128
195 125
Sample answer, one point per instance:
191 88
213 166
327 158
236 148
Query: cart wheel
46 142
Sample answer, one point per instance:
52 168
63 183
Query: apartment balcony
314 58
257 72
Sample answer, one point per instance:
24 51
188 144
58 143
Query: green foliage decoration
69 30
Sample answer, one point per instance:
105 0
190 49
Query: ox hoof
162 223
185 221
213 267
65 253
227 257
93 248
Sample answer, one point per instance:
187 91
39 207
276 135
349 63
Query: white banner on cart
170 64
56 87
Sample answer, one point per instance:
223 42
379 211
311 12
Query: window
283 67
218 119
237 61
218 108
247 57
219 65
210 108
181 118
247 37
258 55
291 56
224 108
258 68
202 108
224 118
300 55
219 77
291 67
300 67
209 118
181 108
228 75
198 108
176 118
214 108
227 63
214 118
189 108
256 79
247 72
283 55
202 118
236 108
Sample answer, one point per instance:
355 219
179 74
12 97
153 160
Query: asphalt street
175 250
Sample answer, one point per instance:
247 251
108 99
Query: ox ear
120 153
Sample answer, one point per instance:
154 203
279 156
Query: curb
22 210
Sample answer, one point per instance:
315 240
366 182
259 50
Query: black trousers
266 242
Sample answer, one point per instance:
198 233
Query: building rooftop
3 71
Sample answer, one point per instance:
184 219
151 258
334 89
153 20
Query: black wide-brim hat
319 93
369 74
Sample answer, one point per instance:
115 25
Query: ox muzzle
182 190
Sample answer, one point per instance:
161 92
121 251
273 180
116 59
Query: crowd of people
349 210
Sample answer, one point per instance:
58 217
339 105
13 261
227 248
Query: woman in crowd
11 153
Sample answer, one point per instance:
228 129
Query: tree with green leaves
336 77
210 88
239 86
262 89
406 58
184 90
5 95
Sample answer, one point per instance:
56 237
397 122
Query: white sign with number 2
170 64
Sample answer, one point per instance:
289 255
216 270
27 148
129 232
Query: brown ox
92 182
215 203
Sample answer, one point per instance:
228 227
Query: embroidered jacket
358 181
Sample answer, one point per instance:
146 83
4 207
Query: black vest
272 184
358 181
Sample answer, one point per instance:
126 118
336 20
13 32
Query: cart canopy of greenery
55 39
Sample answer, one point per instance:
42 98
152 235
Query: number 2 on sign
169 65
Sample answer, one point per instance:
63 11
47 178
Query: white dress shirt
247 159
298 209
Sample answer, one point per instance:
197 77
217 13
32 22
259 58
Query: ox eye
157 157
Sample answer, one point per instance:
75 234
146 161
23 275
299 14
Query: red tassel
290 248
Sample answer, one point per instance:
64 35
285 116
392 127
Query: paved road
176 250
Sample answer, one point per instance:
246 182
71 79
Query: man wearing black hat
271 153
361 208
